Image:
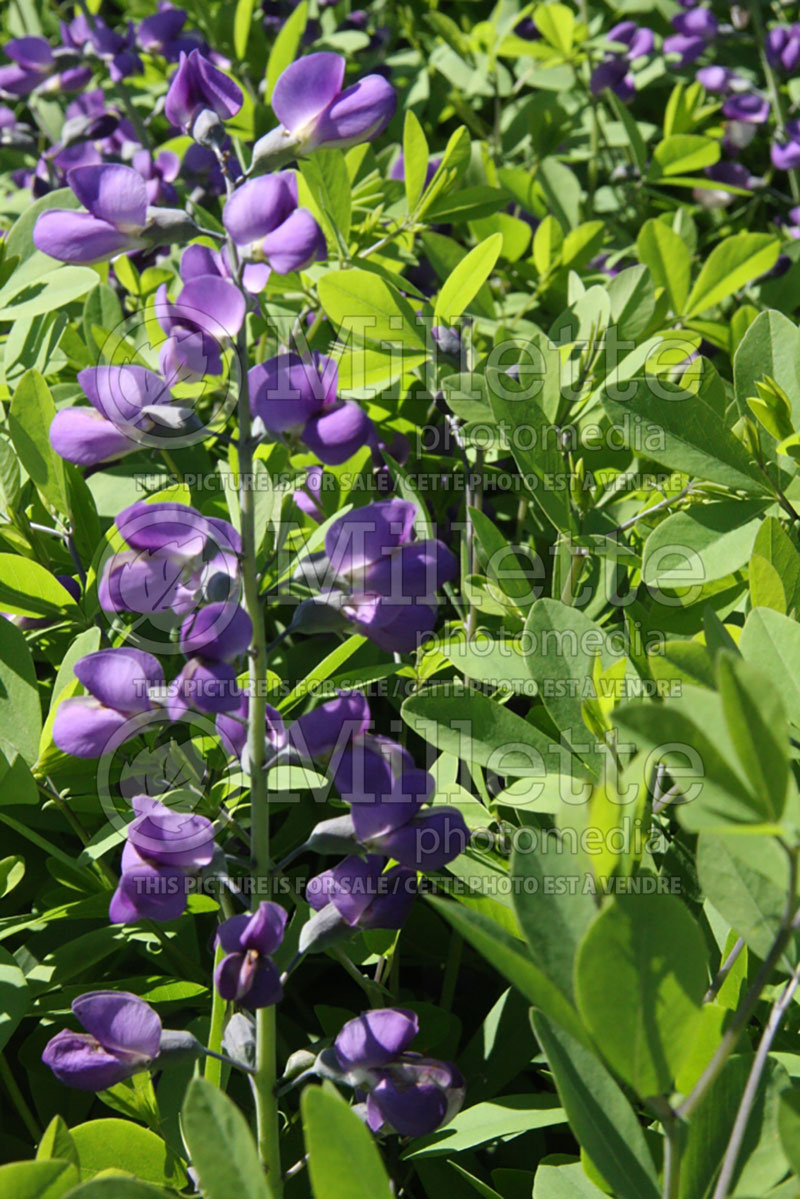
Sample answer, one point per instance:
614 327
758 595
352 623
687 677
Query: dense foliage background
538 272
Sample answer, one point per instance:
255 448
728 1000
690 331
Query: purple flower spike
116 199
309 102
122 1038
119 682
375 1038
246 975
197 85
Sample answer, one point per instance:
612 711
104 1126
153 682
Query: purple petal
120 392
375 1038
392 905
427 843
200 260
412 1111
148 893
208 686
84 728
120 678
306 88
140 582
33 53
219 632
169 838
364 535
374 816
169 526
332 723
84 437
351 887
285 391
112 193
213 304
259 206
413 572
229 933
227 974
120 1021
77 1060
338 433
295 244
197 85
397 627
265 928
79 237
357 115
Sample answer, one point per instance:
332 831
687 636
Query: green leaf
343 1159
512 959
747 881
683 432
125 1146
285 47
789 1126
667 257
27 589
757 725
640 977
771 642
683 153
242 20
460 288
774 569
364 305
564 1182
37 1180
730 266
480 731
12 872
20 708
547 242
221 1145
556 23
14 996
499 1119
56 1143
497 662
770 348
325 174
415 159
453 165
21 300
707 542
32 412
119 1188
600 1116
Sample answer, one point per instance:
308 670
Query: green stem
212 1068
267 1116
18 1099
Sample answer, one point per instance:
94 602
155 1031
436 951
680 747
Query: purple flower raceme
405 1092
118 218
163 848
247 975
198 86
122 1038
380 579
693 32
177 560
296 398
271 232
614 71
129 403
119 683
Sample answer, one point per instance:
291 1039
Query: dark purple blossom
782 46
163 846
246 975
715 79
746 107
362 894
638 39
200 324
785 155
232 729
615 74
197 85
263 218
122 1038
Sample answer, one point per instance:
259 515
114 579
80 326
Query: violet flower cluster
614 71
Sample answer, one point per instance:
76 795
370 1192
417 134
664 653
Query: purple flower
732 174
782 47
163 846
362 895
205 684
308 497
116 198
614 73
786 155
122 1038
196 86
687 48
218 632
246 975
126 403
717 80
331 725
204 319
296 398
384 582
266 224
309 102
159 174
33 62
638 39
406 1093
746 107
119 682
157 32
699 22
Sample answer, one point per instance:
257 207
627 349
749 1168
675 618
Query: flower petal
83 436
375 1038
77 1060
364 535
295 244
80 237
338 433
120 678
306 88
112 193
120 1021
259 206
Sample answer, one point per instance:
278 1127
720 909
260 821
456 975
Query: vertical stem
212 1067
264 1082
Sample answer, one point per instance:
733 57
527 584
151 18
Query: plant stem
752 1085
264 1082
19 1101
212 1067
